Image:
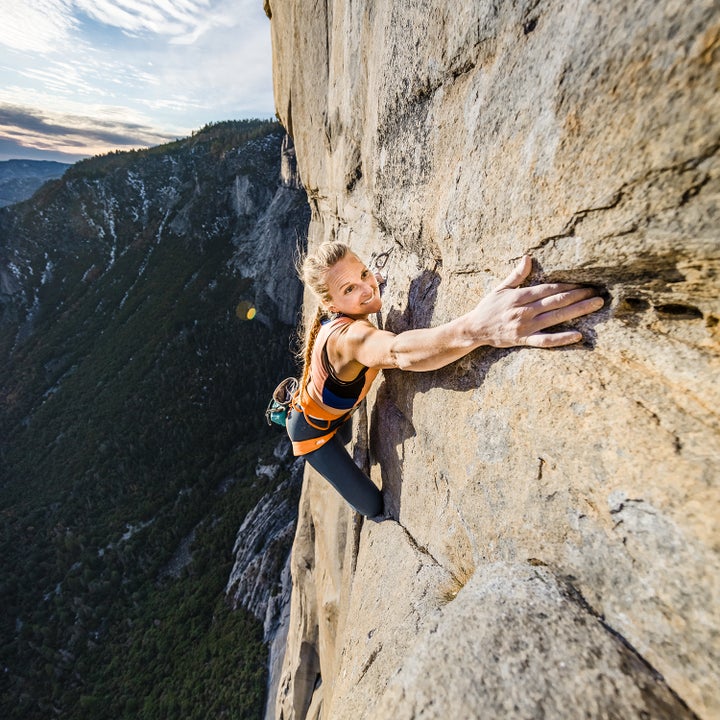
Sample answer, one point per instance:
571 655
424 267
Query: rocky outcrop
260 579
262 543
553 546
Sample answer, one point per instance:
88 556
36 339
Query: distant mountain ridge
19 179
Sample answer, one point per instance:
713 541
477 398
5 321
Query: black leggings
334 463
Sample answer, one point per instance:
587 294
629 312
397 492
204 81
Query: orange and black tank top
336 396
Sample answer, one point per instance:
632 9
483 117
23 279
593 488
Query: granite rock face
553 548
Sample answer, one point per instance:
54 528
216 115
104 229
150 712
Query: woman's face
353 288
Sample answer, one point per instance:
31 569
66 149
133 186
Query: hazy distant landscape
19 179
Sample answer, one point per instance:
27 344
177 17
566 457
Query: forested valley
138 349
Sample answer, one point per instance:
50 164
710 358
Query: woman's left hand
510 315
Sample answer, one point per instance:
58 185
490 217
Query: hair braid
310 334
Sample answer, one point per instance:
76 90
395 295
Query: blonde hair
313 272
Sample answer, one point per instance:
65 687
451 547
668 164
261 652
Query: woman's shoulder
343 324
340 320
352 326
341 344
346 337
331 326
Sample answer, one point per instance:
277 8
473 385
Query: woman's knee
334 463
374 504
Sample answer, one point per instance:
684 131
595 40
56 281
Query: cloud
71 134
36 25
112 131
136 17
12 150
136 71
183 20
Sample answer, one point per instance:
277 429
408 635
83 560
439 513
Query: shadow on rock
393 411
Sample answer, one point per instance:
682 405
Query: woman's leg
344 433
334 463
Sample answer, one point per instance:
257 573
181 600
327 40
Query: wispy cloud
176 18
36 25
73 134
149 69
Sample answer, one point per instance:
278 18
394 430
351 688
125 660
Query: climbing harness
317 417
286 397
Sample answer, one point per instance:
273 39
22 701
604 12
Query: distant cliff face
554 547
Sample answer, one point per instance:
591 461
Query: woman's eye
349 289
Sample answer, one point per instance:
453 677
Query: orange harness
313 412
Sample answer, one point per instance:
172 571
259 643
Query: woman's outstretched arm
508 316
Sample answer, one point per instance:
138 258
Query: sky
84 77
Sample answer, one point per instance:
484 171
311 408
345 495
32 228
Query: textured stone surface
460 136
532 637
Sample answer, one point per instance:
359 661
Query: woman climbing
343 352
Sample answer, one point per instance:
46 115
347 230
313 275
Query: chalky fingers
574 306
562 296
551 340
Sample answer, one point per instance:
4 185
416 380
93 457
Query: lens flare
245 310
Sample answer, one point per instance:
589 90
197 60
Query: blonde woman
344 352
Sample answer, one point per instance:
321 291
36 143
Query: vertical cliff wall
554 547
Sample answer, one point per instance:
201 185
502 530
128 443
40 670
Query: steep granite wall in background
554 547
